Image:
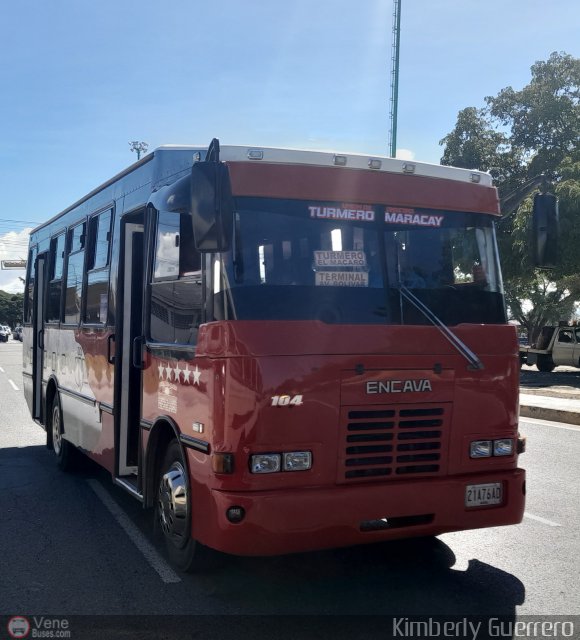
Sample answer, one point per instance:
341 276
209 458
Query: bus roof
171 160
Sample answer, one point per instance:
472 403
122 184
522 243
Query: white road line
165 572
531 516
1 369
13 385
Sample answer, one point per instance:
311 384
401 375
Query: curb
543 408
553 415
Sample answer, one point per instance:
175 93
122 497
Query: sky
79 80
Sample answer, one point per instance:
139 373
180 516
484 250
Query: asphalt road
74 544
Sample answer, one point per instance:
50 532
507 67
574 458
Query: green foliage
517 136
544 117
11 305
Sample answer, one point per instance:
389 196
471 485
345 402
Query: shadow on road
412 577
562 377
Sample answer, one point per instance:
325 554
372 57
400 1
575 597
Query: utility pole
395 76
138 147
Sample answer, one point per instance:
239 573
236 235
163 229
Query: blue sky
81 79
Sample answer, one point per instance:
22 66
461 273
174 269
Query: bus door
38 314
129 364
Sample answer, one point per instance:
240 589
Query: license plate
481 495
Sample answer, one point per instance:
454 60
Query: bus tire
63 449
545 364
172 514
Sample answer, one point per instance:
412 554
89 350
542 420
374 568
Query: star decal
177 374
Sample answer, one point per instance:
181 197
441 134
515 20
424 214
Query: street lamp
138 147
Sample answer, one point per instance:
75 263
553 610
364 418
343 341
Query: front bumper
288 521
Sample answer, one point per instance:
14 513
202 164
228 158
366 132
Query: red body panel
338 184
240 366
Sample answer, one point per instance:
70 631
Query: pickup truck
555 346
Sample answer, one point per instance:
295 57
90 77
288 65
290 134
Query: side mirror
546 230
212 206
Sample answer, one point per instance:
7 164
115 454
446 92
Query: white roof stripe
235 153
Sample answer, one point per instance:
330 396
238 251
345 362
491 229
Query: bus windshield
346 263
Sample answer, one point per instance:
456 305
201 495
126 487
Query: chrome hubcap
56 433
172 503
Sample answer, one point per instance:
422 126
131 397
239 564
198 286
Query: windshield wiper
464 350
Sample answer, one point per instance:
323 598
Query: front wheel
173 515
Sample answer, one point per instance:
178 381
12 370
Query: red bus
279 350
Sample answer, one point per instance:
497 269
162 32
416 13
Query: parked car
17 334
4 333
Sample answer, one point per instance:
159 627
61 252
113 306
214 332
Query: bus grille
393 442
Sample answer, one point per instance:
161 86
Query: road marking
531 516
13 385
547 423
165 572
1 369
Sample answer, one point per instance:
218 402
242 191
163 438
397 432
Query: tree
11 308
474 143
518 135
544 117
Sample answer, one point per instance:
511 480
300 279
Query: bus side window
53 307
176 289
29 291
187 291
97 305
74 273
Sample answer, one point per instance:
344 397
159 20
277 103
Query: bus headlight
297 461
480 449
287 461
504 447
265 463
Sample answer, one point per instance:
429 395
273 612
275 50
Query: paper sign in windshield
340 259
346 211
342 279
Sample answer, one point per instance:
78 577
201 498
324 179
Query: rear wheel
173 515
63 449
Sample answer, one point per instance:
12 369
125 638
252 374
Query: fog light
480 449
235 514
503 447
265 463
297 461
